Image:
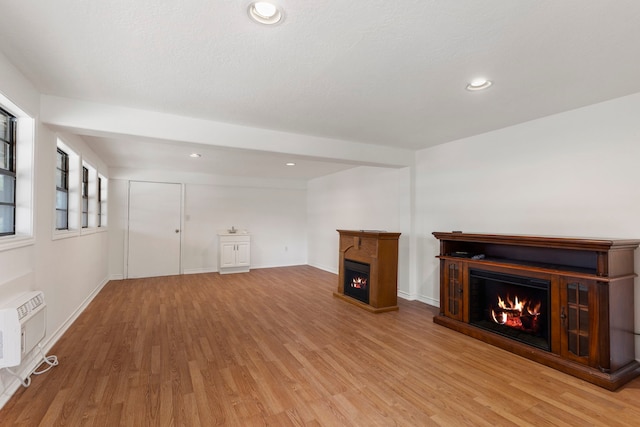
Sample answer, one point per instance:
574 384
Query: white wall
571 174
356 199
69 271
276 218
73 268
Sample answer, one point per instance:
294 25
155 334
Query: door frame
126 223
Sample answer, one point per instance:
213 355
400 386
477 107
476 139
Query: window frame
10 171
24 193
99 202
102 202
88 198
64 172
84 197
73 194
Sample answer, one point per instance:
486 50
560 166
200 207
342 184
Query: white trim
105 201
15 241
92 198
199 270
74 202
25 177
428 300
322 267
255 267
406 295
127 221
88 230
64 234
183 194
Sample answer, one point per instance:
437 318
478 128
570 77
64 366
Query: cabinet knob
177 231
563 317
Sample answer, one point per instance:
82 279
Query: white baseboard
406 295
260 267
428 300
199 270
325 268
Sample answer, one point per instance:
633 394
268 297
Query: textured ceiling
379 72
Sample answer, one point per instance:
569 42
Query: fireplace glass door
516 307
356 280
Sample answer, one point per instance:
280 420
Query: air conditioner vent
30 306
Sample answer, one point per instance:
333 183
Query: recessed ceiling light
479 84
290 164
195 155
265 13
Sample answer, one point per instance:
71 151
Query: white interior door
154 229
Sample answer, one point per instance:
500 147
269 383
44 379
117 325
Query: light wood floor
274 347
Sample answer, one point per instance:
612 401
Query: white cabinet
234 253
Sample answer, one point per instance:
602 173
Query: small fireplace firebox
356 280
513 306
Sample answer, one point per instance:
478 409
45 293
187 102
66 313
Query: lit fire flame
359 282
517 314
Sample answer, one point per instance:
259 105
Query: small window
7 174
85 197
101 198
99 201
68 192
17 143
62 190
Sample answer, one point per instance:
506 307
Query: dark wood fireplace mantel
590 303
378 249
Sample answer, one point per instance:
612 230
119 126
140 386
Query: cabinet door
227 255
577 311
243 254
452 281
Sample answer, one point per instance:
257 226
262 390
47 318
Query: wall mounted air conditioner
22 327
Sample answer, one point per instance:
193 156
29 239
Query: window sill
87 231
64 234
16 241
92 230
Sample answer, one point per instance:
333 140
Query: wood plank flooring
274 347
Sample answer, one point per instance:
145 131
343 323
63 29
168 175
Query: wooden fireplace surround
589 279
380 250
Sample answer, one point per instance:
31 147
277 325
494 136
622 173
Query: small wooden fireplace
371 260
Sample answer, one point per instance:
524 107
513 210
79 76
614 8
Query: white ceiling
378 72
131 153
